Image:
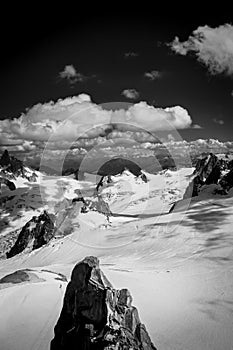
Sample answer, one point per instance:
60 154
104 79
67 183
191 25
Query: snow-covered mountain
177 263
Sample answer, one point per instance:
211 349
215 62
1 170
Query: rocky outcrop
37 232
18 276
8 183
208 171
205 167
212 175
95 316
12 167
230 164
227 180
101 206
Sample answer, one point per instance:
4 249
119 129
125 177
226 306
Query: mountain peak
13 167
5 158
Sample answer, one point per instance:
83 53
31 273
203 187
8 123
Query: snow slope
178 266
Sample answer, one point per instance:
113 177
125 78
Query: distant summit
11 168
117 166
11 164
211 173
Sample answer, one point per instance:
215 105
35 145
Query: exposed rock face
8 183
97 317
230 164
12 167
5 159
214 175
101 206
11 164
208 171
227 180
18 276
37 232
205 166
194 187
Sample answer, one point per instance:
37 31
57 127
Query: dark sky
36 45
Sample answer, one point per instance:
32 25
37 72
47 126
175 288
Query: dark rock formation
205 166
193 188
117 166
230 164
11 163
5 159
227 181
214 175
95 316
208 171
13 167
8 183
37 232
18 276
79 197
101 206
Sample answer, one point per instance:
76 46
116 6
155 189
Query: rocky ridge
37 232
11 168
211 171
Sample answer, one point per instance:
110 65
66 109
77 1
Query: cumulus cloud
64 120
212 46
76 123
131 94
72 75
151 119
130 54
153 75
197 126
218 121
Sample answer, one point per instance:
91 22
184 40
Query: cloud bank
212 46
78 124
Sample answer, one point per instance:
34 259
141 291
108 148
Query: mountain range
167 240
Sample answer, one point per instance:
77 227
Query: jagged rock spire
95 316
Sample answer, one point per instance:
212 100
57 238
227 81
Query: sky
139 59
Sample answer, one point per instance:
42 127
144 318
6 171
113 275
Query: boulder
96 316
